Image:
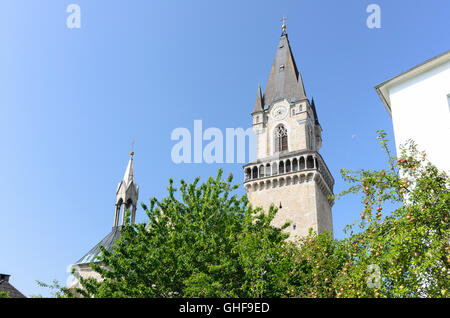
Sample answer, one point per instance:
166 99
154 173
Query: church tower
289 172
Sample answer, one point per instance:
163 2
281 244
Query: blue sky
71 101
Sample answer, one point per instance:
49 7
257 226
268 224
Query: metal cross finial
132 147
284 24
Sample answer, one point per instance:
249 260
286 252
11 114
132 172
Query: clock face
279 112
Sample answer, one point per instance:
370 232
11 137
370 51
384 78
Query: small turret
259 102
127 194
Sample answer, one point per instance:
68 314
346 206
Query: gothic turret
127 194
126 198
258 102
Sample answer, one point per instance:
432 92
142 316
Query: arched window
302 163
261 171
309 162
281 167
274 169
268 170
294 164
248 174
129 205
281 139
255 173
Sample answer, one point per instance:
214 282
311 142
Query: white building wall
420 109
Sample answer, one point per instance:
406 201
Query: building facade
289 172
418 101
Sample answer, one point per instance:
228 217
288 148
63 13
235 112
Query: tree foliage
4 294
405 253
210 243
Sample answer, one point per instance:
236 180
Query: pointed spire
259 102
300 87
129 172
284 80
313 106
127 194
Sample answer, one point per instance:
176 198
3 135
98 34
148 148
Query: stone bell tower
289 172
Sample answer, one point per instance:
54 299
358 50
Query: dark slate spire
300 88
284 79
258 103
313 106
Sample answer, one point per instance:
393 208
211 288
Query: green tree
56 290
319 259
4 294
208 243
405 253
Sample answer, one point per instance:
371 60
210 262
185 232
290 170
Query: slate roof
258 103
10 289
108 243
285 80
313 106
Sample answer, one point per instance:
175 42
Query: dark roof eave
108 243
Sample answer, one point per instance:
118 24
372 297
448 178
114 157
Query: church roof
108 243
285 81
